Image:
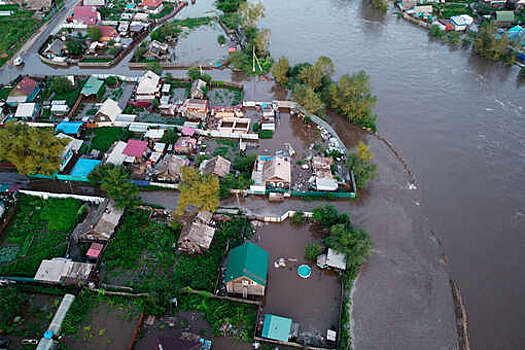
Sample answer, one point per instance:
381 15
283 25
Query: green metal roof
276 327
248 260
505 16
92 86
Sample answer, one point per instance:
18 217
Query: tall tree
115 180
280 70
308 99
361 165
326 66
352 242
262 42
312 76
201 191
31 150
251 12
60 85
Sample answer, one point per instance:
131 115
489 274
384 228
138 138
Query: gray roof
99 224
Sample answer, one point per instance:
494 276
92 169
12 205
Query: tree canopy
154 66
308 99
490 45
31 150
94 33
354 243
201 191
280 70
361 165
115 180
60 85
251 12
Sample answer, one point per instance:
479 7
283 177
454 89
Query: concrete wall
46 195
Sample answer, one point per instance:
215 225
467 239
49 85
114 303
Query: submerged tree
115 180
251 13
490 45
201 191
31 150
308 99
352 242
361 165
280 70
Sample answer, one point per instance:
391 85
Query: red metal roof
85 14
151 3
135 148
25 87
94 250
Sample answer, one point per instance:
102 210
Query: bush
312 251
112 81
522 72
256 127
265 134
297 218
221 39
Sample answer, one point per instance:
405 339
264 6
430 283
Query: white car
18 61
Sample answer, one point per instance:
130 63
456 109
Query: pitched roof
148 84
25 87
278 167
111 109
68 127
85 14
197 238
135 148
248 260
276 327
115 155
336 259
217 165
171 166
92 86
99 224
151 3
84 167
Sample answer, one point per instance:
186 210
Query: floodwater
200 46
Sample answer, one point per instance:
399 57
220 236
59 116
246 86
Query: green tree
326 215
74 47
381 5
352 97
489 45
326 66
201 191
115 180
522 72
435 31
250 13
94 33
60 85
112 81
361 165
228 5
155 104
308 99
245 164
31 150
154 66
169 137
352 242
312 251
297 218
312 76
221 39
280 70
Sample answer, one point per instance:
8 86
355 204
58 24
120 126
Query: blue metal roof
68 127
84 167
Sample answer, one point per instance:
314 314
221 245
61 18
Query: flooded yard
313 302
201 46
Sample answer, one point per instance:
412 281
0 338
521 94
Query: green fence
315 194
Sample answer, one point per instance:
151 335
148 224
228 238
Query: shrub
522 72
297 218
112 81
265 134
256 127
221 39
312 251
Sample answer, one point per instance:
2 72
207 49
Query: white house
148 87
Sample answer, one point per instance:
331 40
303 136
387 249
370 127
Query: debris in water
412 187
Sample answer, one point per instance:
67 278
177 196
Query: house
107 32
217 166
152 6
148 86
197 237
27 111
276 328
197 89
158 50
169 169
69 128
99 224
504 18
461 22
59 109
423 11
62 270
194 109
83 167
234 125
87 15
324 180
108 112
154 134
26 90
185 145
277 172
71 149
247 270
93 2
93 87
332 259
54 49
135 149
115 154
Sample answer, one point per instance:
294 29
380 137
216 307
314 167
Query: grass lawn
40 230
71 96
15 30
105 137
4 92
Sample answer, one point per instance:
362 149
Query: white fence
283 217
46 195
